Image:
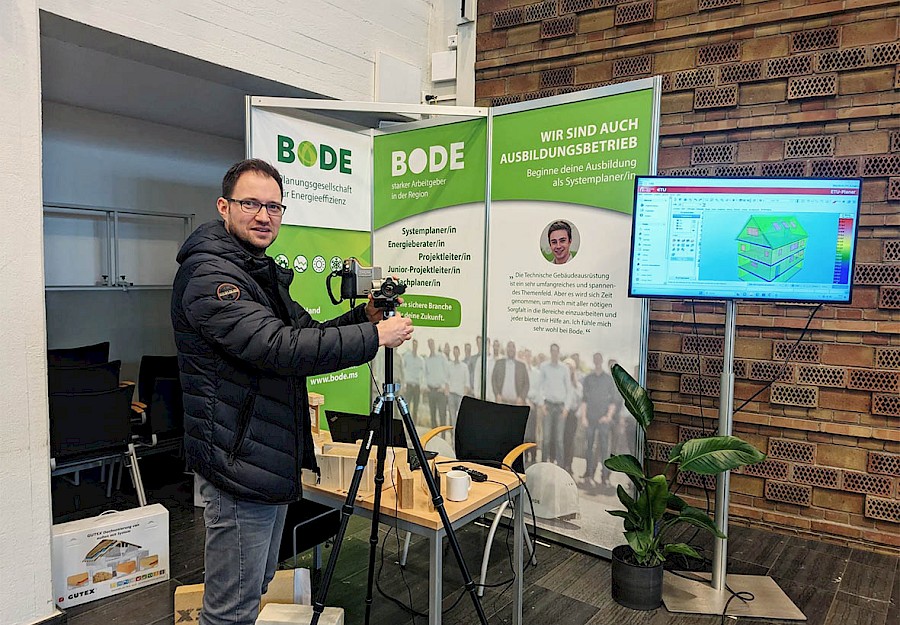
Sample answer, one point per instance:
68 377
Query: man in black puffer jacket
244 351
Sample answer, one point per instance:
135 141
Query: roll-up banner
558 315
327 178
429 218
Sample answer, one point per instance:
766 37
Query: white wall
326 46
25 591
100 159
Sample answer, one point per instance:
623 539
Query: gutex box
110 554
288 586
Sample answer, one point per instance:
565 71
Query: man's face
510 350
598 362
554 353
431 346
456 353
468 349
415 346
559 245
257 231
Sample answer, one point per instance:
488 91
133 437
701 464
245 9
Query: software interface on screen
744 238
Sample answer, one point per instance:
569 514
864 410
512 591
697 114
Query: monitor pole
710 594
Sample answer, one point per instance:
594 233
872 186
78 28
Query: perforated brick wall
797 352
738 171
874 380
634 12
633 66
711 366
716 97
539 11
886 53
796 451
679 363
770 469
888 165
882 509
574 6
505 99
741 72
693 78
894 141
797 494
893 192
558 27
816 39
812 86
653 361
858 482
822 375
658 450
884 463
689 478
877 273
824 477
891 251
767 371
508 18
791 395
699 344
686 433
688 171
719 53
557 77
887 357
886 404
889 297
784 169
708 5
835 168
694 385
798 65
849 58
807 147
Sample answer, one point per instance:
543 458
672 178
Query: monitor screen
783 239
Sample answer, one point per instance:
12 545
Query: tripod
382 413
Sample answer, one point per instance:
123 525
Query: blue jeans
241 554
597 445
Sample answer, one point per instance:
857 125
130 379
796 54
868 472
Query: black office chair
307 526
78 356
89 429
491 434
159 412
84 379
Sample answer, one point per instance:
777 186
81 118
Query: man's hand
377 314
393 331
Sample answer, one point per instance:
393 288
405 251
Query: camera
357 281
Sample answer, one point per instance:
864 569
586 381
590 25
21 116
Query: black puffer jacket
244 351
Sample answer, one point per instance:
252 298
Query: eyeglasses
251 207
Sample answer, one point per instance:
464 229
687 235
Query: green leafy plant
654 509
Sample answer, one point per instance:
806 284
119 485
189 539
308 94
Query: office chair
84 379
158 415
78 356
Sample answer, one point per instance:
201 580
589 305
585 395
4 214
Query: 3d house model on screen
771 248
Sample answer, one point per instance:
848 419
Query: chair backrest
488 431
84 379
84 424
78 356
153 367
165 409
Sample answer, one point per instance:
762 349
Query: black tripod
382 413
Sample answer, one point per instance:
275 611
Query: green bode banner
429 232
562 181
326 173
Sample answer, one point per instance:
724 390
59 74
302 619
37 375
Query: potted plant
650 514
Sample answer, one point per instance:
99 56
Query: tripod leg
386 416
442 512
362 459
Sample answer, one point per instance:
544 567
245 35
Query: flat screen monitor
781 239
348 427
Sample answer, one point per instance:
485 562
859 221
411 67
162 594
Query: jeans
437 403
554 428
241 554
597 437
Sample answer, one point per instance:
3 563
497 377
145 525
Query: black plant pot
633 586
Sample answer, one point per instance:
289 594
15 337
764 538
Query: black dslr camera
358 281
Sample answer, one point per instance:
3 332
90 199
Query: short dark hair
249 164
559 225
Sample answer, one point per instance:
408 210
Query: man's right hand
393 331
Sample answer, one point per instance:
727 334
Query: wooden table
420 520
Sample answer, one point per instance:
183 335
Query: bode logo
436 158
306 152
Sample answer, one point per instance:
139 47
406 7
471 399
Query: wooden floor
832 585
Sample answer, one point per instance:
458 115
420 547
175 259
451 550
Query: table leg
435 578
518 559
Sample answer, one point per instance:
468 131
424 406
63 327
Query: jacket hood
213 238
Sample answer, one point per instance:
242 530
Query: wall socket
452 41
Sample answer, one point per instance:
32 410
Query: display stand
697 596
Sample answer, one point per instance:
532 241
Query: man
560 238
457 384
600 406
414 370
437 370
556 388
510 378
244 351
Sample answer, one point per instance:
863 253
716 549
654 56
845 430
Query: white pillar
26 594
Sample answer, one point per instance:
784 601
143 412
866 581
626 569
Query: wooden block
406 487
332 474
316 401
278 614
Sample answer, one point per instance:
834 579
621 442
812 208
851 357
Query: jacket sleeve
249 331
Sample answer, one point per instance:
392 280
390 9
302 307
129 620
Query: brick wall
757 88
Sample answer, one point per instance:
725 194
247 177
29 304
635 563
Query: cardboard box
276 614
288 586
110 554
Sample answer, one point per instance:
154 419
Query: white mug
458 483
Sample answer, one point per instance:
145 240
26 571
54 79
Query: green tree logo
307 153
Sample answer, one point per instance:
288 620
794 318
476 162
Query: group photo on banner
511 233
